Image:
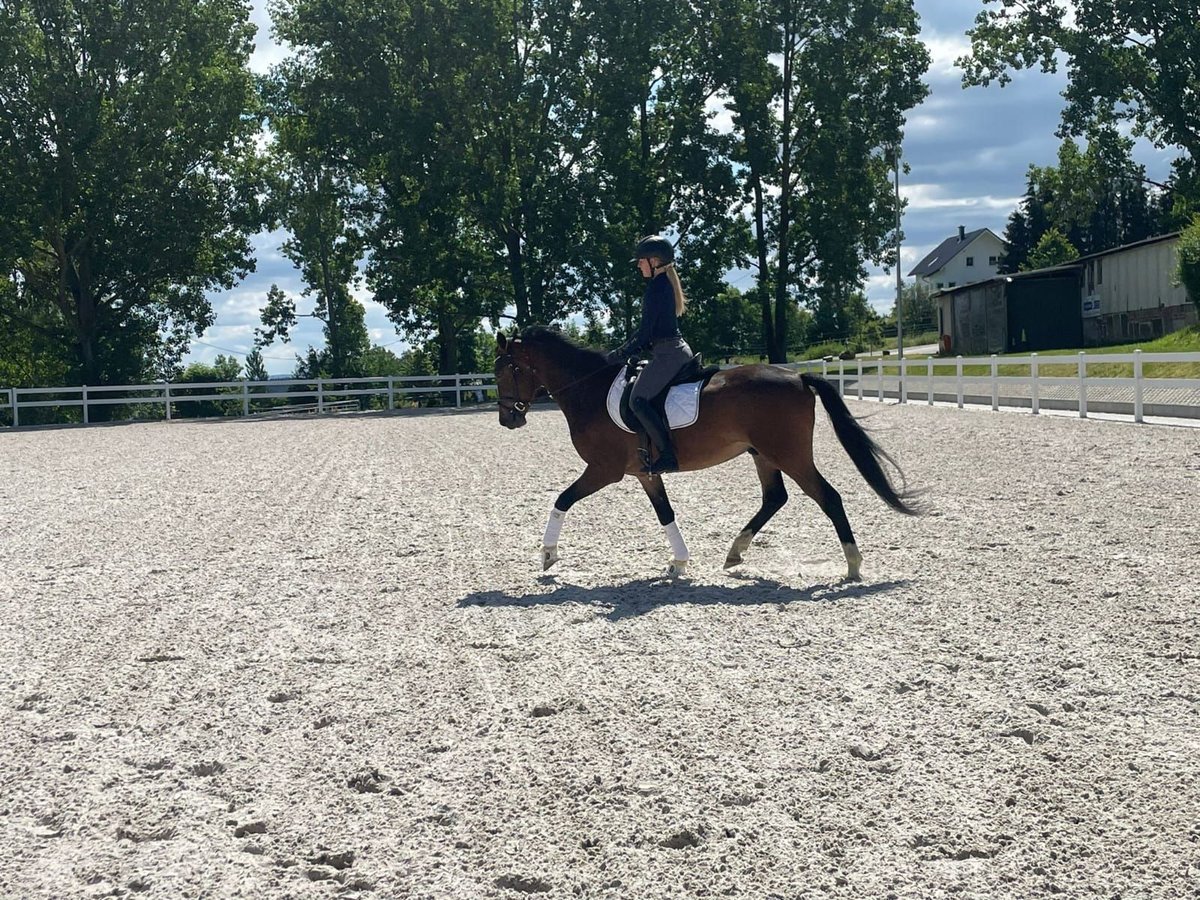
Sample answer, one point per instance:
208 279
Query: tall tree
129 166
654 161
317 201
398 76
1135 61
818 89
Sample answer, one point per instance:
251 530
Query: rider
662 304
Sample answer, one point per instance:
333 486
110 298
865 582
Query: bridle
513 403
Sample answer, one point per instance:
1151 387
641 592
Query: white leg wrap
553 527
678 547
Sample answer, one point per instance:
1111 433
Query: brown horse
765 411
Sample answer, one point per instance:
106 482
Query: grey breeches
669 356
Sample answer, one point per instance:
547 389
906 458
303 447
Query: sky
969 151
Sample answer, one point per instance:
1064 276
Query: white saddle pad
683 403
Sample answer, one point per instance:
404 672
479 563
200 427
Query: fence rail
945 379
941 379
279 396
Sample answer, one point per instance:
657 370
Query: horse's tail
867 455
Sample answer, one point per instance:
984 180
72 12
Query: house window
951 284
970 260
940 285
993 260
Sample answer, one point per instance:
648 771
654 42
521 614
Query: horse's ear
501 341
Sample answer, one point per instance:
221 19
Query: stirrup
664 465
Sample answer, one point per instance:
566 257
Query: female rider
662 305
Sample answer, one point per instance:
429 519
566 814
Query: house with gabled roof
967 257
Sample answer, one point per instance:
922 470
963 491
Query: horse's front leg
657 493
593 479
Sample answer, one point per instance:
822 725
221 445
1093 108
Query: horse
761 410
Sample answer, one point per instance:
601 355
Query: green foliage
130 182
256 368
1189 260
223 368
1135 61
814 137
1053 249
315 198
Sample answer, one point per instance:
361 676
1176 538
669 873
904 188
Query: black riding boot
660 436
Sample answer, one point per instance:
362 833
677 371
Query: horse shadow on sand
635 598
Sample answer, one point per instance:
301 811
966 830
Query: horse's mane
566 351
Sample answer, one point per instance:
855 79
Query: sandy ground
318 658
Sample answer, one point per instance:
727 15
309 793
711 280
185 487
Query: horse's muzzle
511 418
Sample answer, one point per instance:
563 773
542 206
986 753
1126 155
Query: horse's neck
566 386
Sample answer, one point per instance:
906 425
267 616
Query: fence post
995 384
860 378
903 384
824 367
930 370
1033 388
1082 385
84 396
12 393
245 398
457 391
958 376
167 397
842 377
320 395
1137 385
391 392
879 378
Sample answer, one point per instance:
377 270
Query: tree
1189 261
1135 61
318 202
815 133
1052 250
130 180
223 368
397 80
654 162
256 368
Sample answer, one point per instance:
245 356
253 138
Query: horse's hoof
549 557
731 560
677 568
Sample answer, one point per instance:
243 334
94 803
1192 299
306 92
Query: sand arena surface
319 658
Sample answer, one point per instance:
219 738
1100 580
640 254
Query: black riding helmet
655 245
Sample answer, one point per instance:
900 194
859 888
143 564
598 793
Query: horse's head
516 381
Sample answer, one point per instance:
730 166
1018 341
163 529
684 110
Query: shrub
1188 273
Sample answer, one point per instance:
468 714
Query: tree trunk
516 271
777 349
447 354
764 269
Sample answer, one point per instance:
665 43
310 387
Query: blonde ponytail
680 299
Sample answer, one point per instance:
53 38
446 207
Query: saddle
694 374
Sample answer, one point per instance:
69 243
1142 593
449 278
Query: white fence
277 397
942 379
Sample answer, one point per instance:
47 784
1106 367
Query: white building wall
956 272
1136 279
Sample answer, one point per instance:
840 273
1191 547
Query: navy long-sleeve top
658 316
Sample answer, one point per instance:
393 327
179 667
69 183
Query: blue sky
968 149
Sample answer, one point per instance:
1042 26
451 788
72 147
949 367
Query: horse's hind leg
814 484
774 495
